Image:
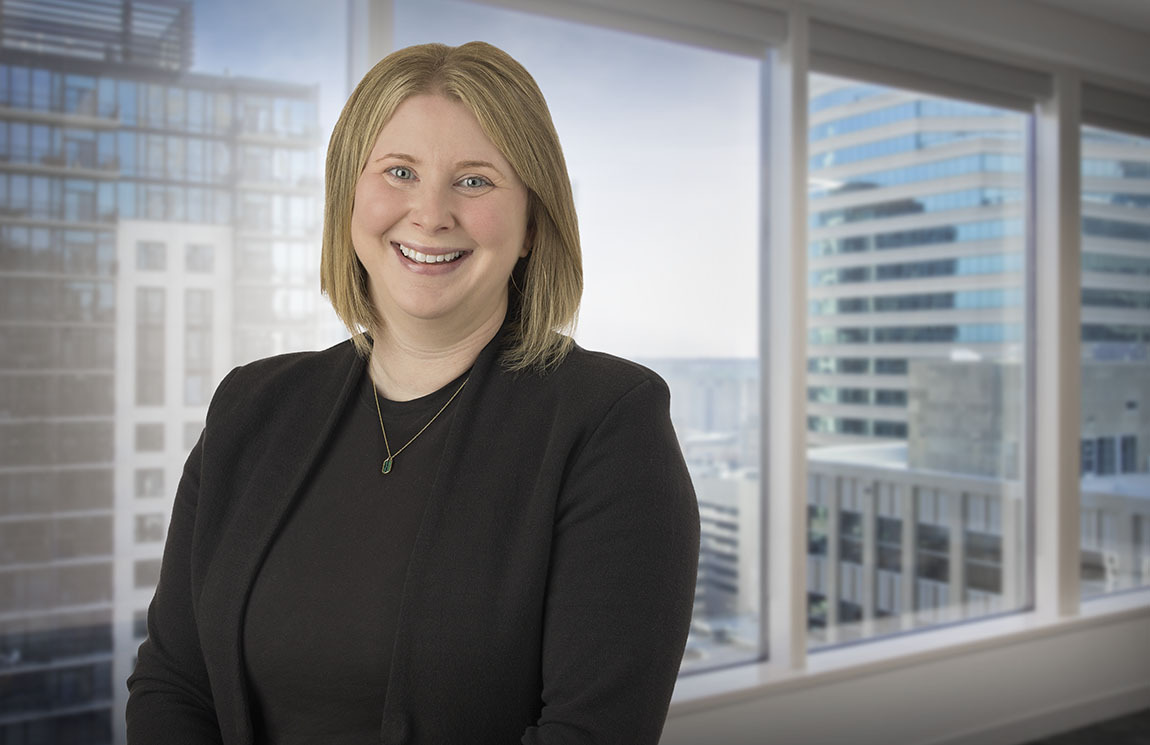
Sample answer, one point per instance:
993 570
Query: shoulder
585 386
268 381
605 370
295 364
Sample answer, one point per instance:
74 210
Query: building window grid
1122 230
150 345
1103 168
908 143
1116 199
980 230
974 333
962 266
150 527
921 109
151 256
1128 299
149 483
919 205
962 300
933 171
149 437
197 346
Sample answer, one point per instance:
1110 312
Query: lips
420 257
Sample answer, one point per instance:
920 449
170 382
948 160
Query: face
439 219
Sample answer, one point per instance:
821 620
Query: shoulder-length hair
545 287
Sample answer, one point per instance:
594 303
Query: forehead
432 126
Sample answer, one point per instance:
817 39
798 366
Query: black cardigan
549 590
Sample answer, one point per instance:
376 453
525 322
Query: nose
431 211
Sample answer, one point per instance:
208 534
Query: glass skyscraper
157 227
917 353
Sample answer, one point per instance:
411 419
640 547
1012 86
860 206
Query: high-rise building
157 227
917 247
919 229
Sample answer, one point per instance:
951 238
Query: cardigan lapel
259 514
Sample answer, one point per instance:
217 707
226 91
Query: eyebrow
460 164
478 164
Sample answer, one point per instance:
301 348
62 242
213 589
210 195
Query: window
199 257
149 437
140 624
950 404
884 397
1128 454
150 528
1086 459
151 353
149 482
146 573
197 347
151 256
192 432
917 211
1115 365
657 106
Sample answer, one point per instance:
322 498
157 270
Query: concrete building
904 535
157 227
715 410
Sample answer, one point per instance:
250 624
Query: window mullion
370 36
784 330
1057 349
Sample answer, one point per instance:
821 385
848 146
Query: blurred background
160 213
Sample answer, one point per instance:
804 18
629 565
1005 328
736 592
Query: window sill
705 690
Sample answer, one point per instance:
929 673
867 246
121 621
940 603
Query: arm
170 698
621 582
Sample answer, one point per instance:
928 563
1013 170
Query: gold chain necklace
387 464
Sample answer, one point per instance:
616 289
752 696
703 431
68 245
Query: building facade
918 257
917 247
157 227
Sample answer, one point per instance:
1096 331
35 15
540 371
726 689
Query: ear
528 241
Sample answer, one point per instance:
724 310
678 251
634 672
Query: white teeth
428 258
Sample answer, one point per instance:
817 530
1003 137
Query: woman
457 527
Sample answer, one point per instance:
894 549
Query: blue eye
474 182
403 173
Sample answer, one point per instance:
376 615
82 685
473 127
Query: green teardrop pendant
386 466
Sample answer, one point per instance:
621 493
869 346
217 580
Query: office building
906 535
157 227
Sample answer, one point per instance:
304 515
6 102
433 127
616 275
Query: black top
548 591
321 620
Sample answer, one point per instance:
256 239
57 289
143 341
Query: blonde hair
546 286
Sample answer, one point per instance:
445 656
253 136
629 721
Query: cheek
373 209
504 228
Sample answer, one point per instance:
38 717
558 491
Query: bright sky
661 142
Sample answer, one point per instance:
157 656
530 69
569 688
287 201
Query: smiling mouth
422 258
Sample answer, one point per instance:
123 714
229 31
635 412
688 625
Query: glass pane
917 512
661 141
111 334
1115 441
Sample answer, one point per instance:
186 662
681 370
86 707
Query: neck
409 360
